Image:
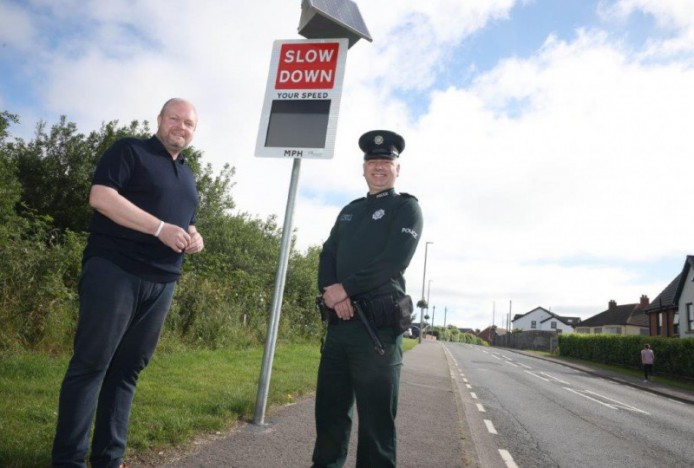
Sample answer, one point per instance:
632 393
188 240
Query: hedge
672 355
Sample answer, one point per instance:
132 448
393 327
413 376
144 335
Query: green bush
224 296
38 298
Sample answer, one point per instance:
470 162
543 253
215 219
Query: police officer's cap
381 144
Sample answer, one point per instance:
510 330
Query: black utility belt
333 319
384 311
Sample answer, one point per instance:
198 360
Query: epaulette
357 200
407 195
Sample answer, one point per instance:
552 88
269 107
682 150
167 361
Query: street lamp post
429 291
433 317
422 302
428 301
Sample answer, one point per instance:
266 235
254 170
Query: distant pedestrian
647 359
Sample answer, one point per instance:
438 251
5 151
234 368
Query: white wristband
161 226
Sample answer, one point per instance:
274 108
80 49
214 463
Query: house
542 319
626 319
671 314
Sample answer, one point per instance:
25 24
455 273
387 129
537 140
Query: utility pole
422 302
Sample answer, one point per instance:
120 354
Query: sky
549 142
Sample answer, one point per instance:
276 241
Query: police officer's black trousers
349 369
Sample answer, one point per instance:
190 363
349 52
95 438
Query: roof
666 299
670 296
565 320
570 321
625 314
517 316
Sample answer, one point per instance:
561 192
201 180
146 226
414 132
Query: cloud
16 30
667 13
674 17
578 150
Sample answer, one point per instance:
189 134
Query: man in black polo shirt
362 266
144 201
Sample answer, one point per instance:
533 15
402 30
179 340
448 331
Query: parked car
412 332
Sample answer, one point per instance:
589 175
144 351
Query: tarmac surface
653 385
431 424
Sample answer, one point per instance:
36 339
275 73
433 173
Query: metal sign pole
304 76
269 353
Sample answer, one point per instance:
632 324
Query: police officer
362 264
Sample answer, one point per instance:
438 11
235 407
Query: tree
222 299
10 188
300 316
55 169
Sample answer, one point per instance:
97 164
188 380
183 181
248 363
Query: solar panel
329 19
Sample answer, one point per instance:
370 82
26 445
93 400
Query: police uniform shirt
371 244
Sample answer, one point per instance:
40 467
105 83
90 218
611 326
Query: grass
182 394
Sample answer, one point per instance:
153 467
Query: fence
536 340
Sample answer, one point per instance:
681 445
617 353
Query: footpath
431 424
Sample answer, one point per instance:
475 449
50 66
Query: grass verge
180 395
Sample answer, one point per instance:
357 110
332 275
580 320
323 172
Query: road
527 412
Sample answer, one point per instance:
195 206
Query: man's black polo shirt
143 172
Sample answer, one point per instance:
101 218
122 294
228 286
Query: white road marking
473 395
490 426
480 408
464 380
496 357
619 403
507 458
555 378
511 364
538 376
590 398
468 386
524 365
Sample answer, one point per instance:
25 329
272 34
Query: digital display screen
298 123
